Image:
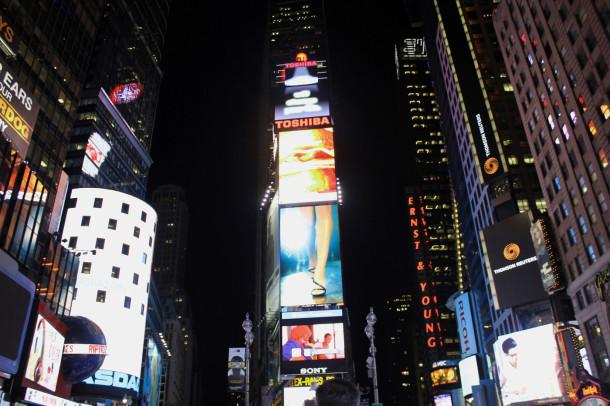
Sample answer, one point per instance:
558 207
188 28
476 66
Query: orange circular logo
511 251
491 166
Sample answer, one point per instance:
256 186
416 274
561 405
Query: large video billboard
46 351
303 94
512 262
152 374
237 369
307 166
298 396
313 345
528 365
16 294
310 258
18 110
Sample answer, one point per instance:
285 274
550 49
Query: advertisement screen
307 166
528 365
313 346
463 316
18 110
237 369
16 294
298 396
469 374
310 259
443 400
444 376
512 262
542 245
126 92
152 375
45 354
96 150
303 93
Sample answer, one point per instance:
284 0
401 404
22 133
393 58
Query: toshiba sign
463 315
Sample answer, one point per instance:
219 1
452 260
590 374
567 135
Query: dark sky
207 136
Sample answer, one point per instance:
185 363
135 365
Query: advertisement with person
307 166
46 350
511 261
314 345
528 366
310 259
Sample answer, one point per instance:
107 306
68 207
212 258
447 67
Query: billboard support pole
369 330
249 339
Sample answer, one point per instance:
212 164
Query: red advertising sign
126 93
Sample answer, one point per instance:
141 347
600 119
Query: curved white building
112 285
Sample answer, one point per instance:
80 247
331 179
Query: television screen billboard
152 374
298 396
16 294
512 262
310 257
46 350
18 110
529 367
463 316
447 376
469 374
313 346
307 166
237 369
303 94
97 150
443 400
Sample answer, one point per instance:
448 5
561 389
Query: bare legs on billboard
319 256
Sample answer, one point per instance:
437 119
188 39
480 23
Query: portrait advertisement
310 259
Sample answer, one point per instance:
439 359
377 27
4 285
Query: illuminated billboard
310 258
512 262
113 284
46 351
126 92
443 400
549 266
97 150
18 110
303 94
298 396
313 346
469 374
16 294
463 316
444 374
307 166
528 366
237 369
151 388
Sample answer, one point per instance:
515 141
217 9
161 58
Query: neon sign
428 298
126 93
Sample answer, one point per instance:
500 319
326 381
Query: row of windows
100 243
112 225
101 298
98 202
115 273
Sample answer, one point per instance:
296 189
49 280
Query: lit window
605 110
583 185
565 210
508 87
522 205
574 117
591 253
551 121
101 296
528 159
566 132
582 223
603 159
512 160
144 257
572 235
557 183
592 128
541 205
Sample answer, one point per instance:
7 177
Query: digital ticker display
307 166
313 345
310 257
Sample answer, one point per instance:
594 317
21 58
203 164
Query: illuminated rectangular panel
307 166
302 94
45 354
309 241
443 400
298 396
528 365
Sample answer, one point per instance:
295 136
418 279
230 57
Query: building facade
557 56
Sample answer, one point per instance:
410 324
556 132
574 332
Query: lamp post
369 330
249 338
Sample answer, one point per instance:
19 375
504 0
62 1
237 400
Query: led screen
152 375
469 374
528 365
45 354
237 369
303 94
443 400
444 376
310 260
298 396
96 150
313 346
307 166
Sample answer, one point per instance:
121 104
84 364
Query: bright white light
295 230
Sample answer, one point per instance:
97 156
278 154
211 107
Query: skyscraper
557 60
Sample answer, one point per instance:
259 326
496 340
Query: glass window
557 183
116 272
143 216
591 253
99 243
601 244
572 235
144 257
601 199
136 232
142 309
125 208
565 210
592 128
150 241
523 205
72 203
127 302
574 117
86 267
603 159
85 221
101 296
591 212
112 224
512 160
136 278
582 223
583 185
125 249
97 202
72 242
605 111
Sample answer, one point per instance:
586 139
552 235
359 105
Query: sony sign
463 315
312 371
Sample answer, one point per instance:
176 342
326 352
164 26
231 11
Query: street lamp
371 319
249 338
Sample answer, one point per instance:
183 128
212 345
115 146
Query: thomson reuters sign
18 110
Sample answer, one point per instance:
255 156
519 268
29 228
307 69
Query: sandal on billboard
318 290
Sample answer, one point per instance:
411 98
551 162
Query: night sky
207 137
